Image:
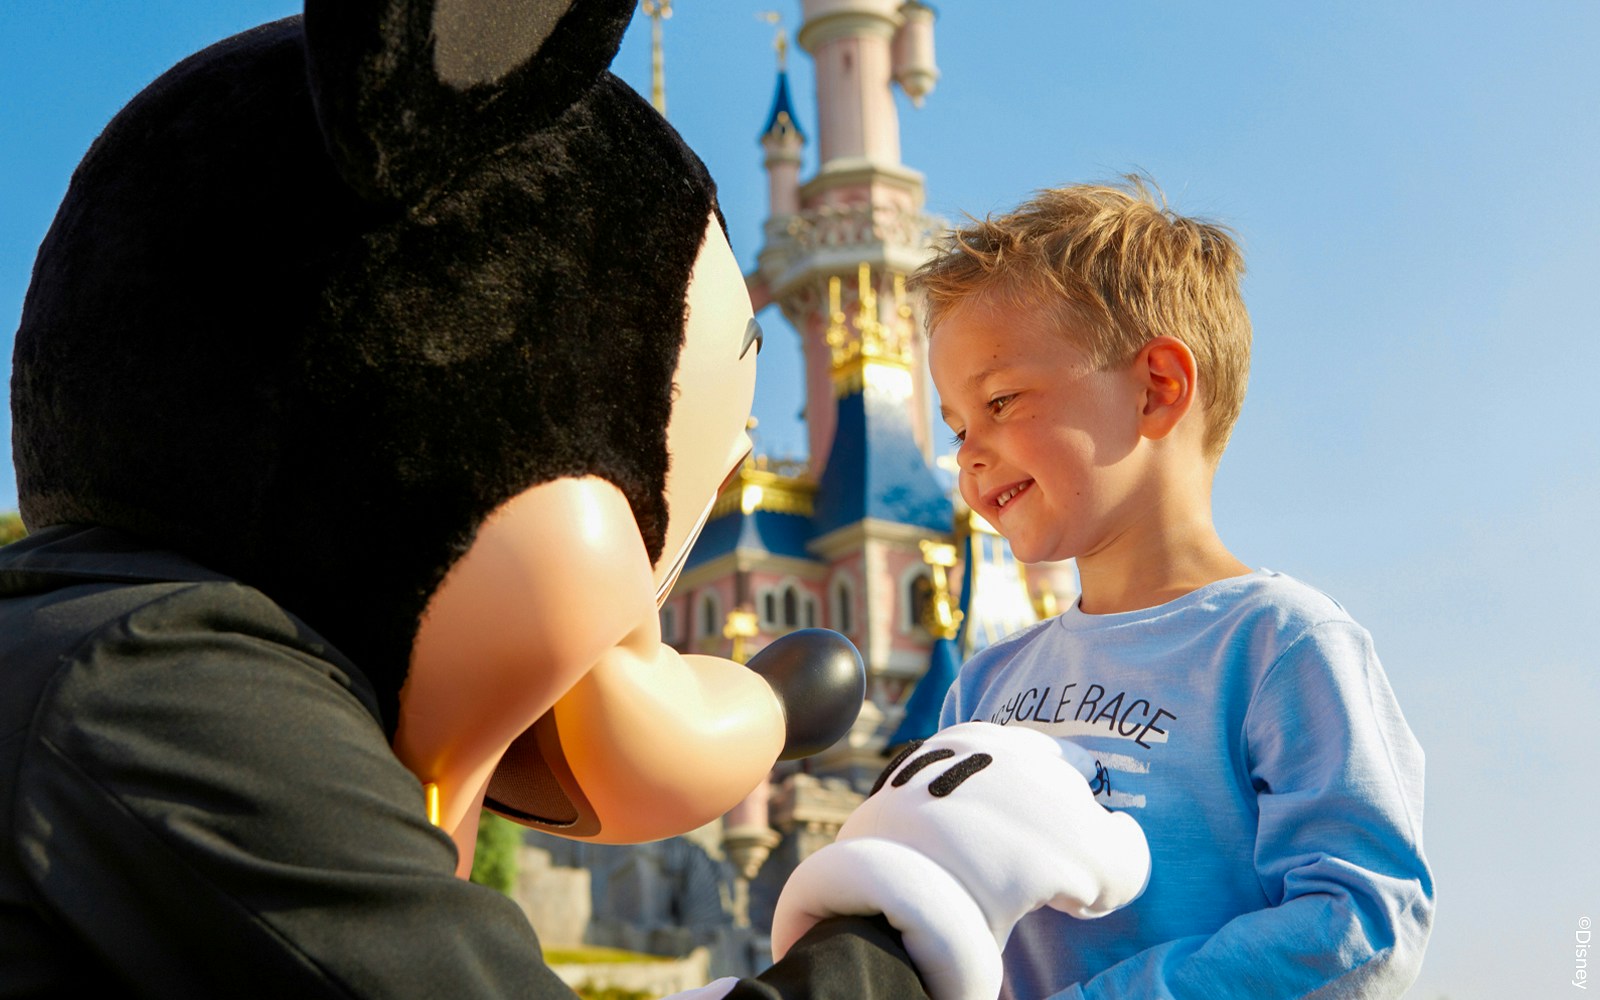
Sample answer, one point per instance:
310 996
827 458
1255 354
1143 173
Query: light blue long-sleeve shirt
1250 729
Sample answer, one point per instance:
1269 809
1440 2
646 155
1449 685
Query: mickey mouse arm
554 607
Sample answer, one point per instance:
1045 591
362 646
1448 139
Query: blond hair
1117 267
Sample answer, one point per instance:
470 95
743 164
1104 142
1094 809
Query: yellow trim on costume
430 792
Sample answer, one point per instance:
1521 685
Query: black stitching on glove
899 758
949 781
932 756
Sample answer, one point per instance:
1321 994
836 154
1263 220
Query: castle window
842 599
710 623
916 592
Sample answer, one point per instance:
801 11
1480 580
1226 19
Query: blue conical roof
783 113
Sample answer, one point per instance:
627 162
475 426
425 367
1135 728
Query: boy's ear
1169 383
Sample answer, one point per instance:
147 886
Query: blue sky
1415 186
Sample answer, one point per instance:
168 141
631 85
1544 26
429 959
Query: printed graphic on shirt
1108 788
1089 709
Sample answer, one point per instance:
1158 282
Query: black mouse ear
407 91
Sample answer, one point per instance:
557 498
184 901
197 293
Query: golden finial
878 341
902 305
941 617
657 11
838 332
871 340
867 306
781 41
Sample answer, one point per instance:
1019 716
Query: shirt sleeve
1338 782
207 806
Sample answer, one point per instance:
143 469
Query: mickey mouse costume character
376 376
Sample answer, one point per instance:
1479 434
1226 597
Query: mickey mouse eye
752 335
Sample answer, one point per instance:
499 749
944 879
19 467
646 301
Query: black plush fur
320 373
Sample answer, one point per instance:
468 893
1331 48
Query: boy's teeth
1005 497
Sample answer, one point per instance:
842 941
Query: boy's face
1048 449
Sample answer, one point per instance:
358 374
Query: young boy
1090 350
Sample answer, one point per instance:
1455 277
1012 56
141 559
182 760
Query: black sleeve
846 958
205 804
209 808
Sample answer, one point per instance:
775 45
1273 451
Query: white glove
978 826
714 990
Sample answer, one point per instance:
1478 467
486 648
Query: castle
864 536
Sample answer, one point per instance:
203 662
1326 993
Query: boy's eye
998 403
959 437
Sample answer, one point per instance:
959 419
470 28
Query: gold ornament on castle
941 617
873 340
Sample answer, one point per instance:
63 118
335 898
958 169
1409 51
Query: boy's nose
969 458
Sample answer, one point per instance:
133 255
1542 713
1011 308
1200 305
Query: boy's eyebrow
978 377
971 381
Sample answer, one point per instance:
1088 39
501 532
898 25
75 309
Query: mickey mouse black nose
820 681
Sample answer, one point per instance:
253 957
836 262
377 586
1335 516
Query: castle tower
839 539
863 205
783 141
861 534
838 249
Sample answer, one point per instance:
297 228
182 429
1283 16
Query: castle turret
783 140
914 67
850 42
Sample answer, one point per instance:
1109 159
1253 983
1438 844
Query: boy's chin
1027 550
1029 547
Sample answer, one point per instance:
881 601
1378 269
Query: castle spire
657 11
782 138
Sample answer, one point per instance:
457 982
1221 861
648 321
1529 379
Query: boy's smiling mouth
1010 493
